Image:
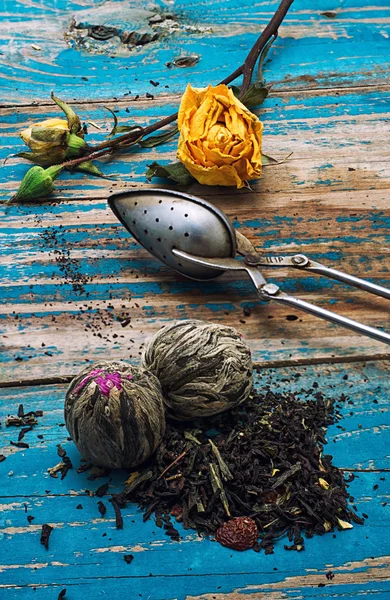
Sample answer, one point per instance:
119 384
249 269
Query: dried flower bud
47 141
37 183
239 533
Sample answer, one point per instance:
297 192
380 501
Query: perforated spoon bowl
161 220
196 239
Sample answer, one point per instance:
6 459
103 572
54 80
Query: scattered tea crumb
2 458
128 558
61 594
330 575
79 506
118 515
101 490
45 535
102 508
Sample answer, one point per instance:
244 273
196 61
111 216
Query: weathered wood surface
326 44
330 200
91 565
69 273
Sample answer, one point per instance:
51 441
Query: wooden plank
313 50
88 563
314 203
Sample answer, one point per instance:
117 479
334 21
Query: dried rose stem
246 69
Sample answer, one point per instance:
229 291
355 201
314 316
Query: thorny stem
246 69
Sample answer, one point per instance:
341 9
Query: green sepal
175 171
75 146
161 138
74 122
31 156
37 183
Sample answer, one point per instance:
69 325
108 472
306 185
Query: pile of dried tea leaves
261 460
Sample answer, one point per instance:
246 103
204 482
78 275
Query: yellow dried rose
220 139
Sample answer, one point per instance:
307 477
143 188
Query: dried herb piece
60 451
128 558
273 449
23 432
118 515
45 534
102 508
20 444
84 467
101 490
63 466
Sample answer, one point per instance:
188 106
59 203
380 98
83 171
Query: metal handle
272 292
300 261
350 279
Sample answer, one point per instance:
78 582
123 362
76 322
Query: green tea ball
114 413
204 368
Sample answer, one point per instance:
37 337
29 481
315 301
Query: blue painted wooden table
70 275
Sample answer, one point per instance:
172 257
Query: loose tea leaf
2 458
118 515
101 490
62 594
102 508
20 444
45 534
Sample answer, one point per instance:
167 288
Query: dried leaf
225 472
323 483
89 167
269 160
344 524
175 171
157 140
188 436
216 484
263 56
286 475
327 526
254 95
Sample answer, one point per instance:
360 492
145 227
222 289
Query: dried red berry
239 533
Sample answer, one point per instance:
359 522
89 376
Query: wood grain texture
313 50
87 563
70 274
330 201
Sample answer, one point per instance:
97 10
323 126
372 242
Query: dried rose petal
239 533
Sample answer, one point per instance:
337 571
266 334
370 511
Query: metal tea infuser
196 239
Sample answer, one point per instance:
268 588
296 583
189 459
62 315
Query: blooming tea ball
204 368
114 413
